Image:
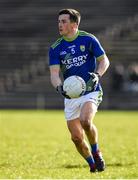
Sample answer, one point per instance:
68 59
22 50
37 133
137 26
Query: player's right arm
54 75
56 81
54 64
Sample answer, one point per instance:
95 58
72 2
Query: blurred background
29 27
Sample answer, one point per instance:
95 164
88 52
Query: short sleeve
96 47
53 57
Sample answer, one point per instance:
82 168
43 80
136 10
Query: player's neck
71 36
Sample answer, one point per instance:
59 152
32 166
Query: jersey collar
71 39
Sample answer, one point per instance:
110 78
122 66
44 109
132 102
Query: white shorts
73 106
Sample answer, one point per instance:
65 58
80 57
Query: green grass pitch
36 144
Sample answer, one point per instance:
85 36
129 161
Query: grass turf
36 144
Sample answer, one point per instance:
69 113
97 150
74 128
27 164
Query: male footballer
79 53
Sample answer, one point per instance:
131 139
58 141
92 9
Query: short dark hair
74 15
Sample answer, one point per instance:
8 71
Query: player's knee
77 139
86 125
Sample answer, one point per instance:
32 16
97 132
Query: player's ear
74 25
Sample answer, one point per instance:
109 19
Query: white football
74 86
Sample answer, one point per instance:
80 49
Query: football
74 86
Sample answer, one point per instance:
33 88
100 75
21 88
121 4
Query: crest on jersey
82 48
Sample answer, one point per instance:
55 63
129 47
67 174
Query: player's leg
77 136
87 115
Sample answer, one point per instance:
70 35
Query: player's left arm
100 55
102 61
103 64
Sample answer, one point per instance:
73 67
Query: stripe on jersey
57 43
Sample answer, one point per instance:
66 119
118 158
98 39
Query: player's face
65 25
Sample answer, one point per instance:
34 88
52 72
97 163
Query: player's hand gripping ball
94 80
74 86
